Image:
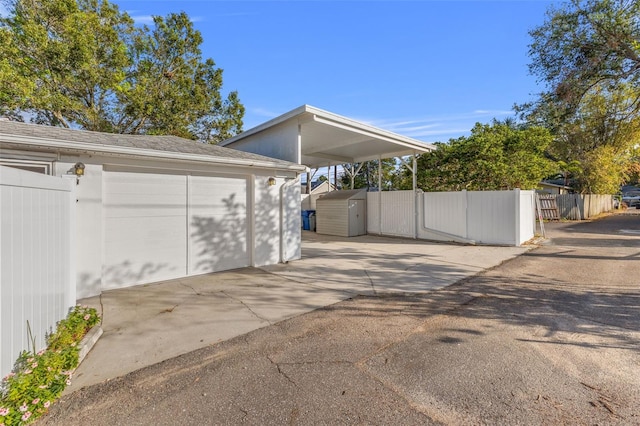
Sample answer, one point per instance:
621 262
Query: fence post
466 213
516 193
73 238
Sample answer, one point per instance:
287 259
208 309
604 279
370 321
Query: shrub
38 379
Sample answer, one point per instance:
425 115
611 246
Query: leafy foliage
38 379
602 172
495 157
367 177
599 142
633 168
587 53
83 63
172 91
584 46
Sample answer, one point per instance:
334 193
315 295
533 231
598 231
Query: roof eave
329 118
145 153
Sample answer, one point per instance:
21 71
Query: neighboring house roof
554 185
319 186
23 135
330 139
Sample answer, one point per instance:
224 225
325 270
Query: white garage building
152 208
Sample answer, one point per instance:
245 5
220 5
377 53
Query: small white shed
342 213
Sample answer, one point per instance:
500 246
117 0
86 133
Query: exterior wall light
78 169
271 181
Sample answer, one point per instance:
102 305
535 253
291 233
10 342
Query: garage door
217 224
160 226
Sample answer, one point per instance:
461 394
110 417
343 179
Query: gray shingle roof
139 142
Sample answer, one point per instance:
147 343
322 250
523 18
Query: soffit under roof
328 139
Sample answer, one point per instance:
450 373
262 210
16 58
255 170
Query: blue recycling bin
306 224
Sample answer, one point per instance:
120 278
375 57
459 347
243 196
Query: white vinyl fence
37 257
483 217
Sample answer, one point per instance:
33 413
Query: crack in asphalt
282 373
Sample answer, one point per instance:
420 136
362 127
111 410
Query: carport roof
48 138
330 139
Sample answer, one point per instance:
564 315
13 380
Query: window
43 167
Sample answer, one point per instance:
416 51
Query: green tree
587 45
172 90
67 60
367 174
598 141
587 54
602 171
633 168
494 157
83 63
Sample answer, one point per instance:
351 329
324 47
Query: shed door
145 228
218 225
357 218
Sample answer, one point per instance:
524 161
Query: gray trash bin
312 221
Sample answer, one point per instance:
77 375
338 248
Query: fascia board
331 119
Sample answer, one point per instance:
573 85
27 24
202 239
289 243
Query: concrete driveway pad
147 324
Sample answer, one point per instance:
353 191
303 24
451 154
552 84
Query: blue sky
424 69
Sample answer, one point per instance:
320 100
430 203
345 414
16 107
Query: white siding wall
267 221
277 211
90 231
260 202
37 258
277 142
292 234
309 201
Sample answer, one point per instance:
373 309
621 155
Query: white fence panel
491 216
37 258
485 217
446 212
398 213
395 216
526 219
373 213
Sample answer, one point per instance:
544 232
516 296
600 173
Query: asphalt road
551 337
